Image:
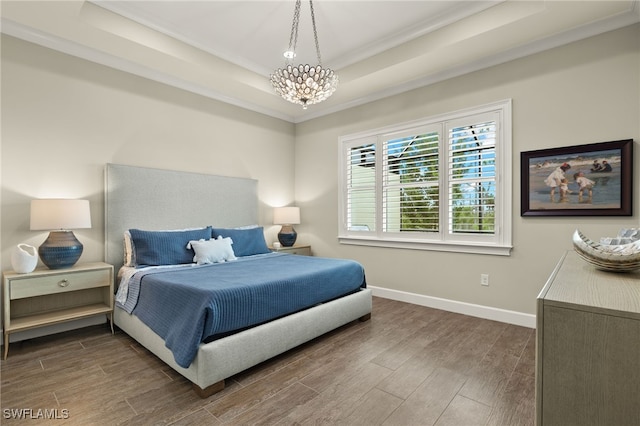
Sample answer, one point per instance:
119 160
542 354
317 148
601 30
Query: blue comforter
185 306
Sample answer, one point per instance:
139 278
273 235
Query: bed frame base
219 386
226 357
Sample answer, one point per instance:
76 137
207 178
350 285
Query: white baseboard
486 312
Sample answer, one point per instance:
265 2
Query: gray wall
585 92
64 118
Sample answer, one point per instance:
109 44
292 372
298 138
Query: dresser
50 296
588 346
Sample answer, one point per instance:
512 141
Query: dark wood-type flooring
408 365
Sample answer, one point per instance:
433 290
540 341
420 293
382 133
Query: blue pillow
166 247
246 241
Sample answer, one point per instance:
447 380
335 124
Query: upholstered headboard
153 199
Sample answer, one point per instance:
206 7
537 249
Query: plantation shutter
410 187
472 176
361 187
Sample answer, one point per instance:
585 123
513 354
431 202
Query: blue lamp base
60 250
287 236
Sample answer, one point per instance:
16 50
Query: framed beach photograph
580 180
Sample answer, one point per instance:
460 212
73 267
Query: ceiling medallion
303 84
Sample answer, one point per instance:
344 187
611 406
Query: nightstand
302 250
50 296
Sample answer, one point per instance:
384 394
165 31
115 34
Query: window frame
499 243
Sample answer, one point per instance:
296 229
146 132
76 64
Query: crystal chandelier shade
303 84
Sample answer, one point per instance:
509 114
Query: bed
161 202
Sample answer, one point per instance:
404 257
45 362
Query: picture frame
599 180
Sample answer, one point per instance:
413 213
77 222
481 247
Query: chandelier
303 84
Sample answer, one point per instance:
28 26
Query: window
441 183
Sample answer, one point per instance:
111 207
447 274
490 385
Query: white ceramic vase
24 258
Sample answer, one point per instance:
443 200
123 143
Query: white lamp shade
52 214
286 216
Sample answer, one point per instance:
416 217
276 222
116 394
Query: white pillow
212 251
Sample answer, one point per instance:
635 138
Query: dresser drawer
59 283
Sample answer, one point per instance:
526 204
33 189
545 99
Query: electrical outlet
484 279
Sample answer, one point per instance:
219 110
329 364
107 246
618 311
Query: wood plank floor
408 365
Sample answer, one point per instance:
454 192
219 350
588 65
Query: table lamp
287 216
61 249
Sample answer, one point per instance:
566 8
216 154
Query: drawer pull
63 283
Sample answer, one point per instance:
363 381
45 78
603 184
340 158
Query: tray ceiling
225 50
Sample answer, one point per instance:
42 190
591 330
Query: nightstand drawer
59 283
302 251
299 250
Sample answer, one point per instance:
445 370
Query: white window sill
456 247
